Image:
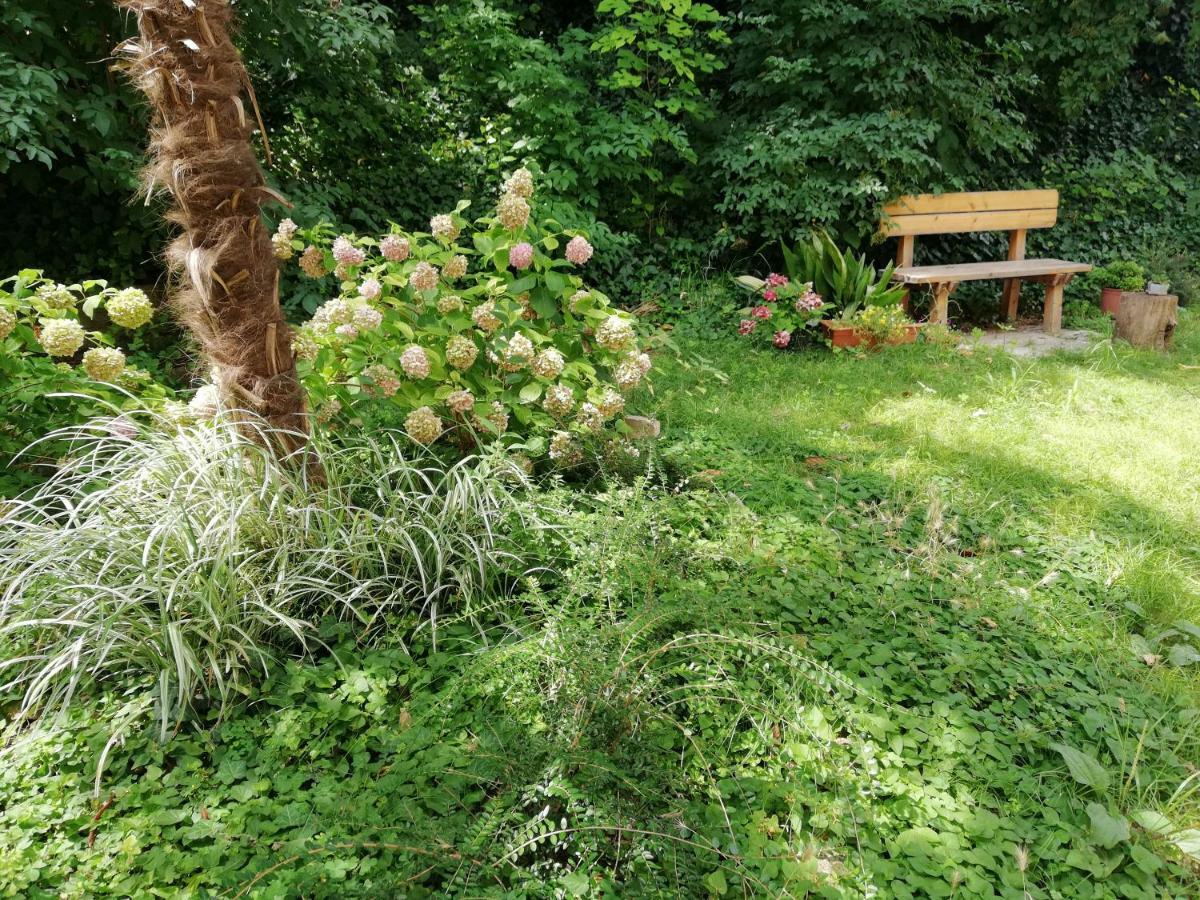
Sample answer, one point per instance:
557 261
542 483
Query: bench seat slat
984 271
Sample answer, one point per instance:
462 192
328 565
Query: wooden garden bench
1011 211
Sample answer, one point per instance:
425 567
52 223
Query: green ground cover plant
924 627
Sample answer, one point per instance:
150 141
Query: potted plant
1157 283
872 327
1118 278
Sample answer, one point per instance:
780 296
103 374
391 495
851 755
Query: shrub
176 564
1122 275
59 367
477 332
782 305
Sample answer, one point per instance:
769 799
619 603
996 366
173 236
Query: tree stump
1147 320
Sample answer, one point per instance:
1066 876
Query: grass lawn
918 624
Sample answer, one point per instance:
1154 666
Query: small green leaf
1183 655
716 883
1085 768
1107 830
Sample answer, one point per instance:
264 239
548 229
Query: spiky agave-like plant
226 275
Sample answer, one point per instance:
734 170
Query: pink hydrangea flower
520 256
761 312
370 289
770 296
346 253
394 248
809 301
777 280
579 251
782 339
746 326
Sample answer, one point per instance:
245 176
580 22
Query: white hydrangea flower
559 401
304 343
461 352
423 425
370 289
424 277
590 417
346 253
104 364
415 362
8 321
57 296
443 228
615 333
548 364
627 375
130 308
461 401
519 351
564 449
520 183
385 380
328 410
455 267
367 318
394 248
484 317
513 212
346 332
611 404
312 262
61 337
448 304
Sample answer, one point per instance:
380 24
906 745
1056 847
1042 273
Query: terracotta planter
848 336
1110 300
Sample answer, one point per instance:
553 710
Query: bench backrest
979 211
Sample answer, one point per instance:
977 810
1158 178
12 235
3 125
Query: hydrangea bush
780 309
472 332
59 367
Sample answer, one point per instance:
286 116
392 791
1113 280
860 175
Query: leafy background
685 135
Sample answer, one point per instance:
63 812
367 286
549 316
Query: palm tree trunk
226 277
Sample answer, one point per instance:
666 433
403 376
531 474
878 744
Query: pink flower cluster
761 312
746 326
782 339
808 301
579 251
346 253
520 256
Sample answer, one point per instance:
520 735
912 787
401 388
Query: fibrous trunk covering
227 277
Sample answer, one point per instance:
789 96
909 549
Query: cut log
1147 320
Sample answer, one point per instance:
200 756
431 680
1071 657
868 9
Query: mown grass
860 650
1103 445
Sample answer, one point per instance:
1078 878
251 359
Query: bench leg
940 313
1052 314
1012 297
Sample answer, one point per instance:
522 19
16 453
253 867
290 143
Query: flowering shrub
57 368
780 310
473 332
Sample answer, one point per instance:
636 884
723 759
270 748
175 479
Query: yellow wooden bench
1011 211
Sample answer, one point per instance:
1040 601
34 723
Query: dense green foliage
101 354
828 663
669 129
